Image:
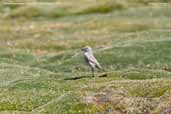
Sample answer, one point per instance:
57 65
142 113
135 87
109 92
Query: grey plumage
90 59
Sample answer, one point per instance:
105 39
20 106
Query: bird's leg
92 69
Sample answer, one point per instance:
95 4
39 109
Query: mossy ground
40 57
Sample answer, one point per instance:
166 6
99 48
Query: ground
42 69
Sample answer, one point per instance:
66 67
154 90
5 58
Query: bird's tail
104 71
100 68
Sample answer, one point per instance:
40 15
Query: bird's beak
82 49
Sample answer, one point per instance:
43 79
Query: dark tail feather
100 68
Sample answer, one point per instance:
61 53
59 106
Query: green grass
40 56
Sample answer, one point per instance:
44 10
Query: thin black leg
92 69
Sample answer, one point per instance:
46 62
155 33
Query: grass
40 57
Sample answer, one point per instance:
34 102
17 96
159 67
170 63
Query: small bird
91 60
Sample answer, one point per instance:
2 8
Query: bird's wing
90 57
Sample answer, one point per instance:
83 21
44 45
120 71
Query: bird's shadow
103 75
77 78
81 77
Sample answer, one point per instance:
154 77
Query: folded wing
92 60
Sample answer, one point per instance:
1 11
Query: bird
91 60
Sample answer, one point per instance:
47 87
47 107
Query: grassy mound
42 69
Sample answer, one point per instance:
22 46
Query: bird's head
87 49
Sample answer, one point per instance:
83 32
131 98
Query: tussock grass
40 57
68 8
103 7
30 11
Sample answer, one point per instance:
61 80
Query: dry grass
42 69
